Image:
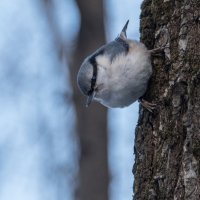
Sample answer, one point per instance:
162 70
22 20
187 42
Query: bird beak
123 32
90 98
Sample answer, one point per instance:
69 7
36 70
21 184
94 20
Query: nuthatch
117 74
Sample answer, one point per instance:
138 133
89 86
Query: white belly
127 78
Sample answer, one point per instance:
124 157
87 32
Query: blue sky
33 82
122 121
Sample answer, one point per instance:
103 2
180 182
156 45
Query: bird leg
148 105
157 51
160 49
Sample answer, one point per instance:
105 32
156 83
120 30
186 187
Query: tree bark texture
92 121
167 142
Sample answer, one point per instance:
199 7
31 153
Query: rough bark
92 121
167 142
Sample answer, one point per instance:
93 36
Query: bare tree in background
91 122
167 143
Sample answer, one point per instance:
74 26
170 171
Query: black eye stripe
93 62
94 78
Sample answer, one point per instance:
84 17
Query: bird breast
126 77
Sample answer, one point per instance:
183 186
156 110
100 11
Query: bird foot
157 51
160 50
148 105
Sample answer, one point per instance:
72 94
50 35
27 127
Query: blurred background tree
92 122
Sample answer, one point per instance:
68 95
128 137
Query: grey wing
116 47
113 49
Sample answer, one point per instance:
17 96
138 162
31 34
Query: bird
117 74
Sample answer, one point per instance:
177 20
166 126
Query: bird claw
148 105
157 51
160 49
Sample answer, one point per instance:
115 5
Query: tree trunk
167 142
92 121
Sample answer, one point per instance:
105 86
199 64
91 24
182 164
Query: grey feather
124 68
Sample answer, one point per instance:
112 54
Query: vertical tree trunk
167 143
92 121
